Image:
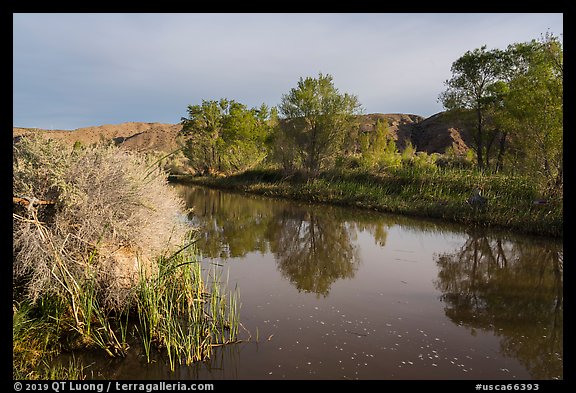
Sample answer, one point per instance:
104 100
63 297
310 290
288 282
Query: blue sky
78 70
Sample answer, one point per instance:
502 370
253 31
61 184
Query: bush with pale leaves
109 214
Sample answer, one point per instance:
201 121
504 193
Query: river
340 293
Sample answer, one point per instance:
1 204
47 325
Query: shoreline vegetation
512 202
104 259
101 247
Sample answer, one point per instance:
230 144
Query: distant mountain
432 135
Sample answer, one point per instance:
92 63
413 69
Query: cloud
88 69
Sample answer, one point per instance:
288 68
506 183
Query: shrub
452 159
111 215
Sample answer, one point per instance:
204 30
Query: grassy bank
175 312
102 257
438 194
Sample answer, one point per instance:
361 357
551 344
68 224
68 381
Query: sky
79 70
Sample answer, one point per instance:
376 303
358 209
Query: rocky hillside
433 135
437 133
134 135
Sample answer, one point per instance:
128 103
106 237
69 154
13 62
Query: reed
424 192
36 341
73 370
75 263
178 312
183 315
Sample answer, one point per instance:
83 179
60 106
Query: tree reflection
513 289
313 245
313 249
230 226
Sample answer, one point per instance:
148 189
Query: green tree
534 110
379 147
203 128
475 88
225 136
317 118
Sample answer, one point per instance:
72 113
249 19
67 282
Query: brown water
339 293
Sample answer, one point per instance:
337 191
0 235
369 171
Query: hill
133 135
432 135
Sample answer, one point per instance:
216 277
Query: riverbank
440 194
103 261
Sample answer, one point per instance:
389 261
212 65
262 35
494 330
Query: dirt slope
437 133
133 135
433 135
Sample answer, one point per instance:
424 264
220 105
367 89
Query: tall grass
176 312
91 260
37 339
182 314
424 192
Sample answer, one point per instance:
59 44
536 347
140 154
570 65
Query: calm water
335 293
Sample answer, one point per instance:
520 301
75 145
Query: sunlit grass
176 312
183 315
433 193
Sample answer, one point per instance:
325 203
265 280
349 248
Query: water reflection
312 249
490 284
223 364
231 226
514 289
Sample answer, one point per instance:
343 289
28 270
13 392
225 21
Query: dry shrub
113 215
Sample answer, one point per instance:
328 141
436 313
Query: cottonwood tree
316 119
533 110
475 88
379 148
225 136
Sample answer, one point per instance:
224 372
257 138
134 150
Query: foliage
378 149
112 213
515 99
426 192
174 163
475 89
181 314
175 311
225 136
316 119
534 111
101 230
451 159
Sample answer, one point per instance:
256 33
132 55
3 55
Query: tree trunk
489 148
312 162
479 139
501 150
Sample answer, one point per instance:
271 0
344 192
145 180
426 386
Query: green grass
182 314
37 333
176 312
440 194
